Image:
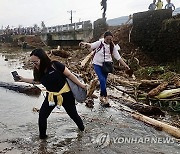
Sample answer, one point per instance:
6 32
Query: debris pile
149 83
130 51
31 41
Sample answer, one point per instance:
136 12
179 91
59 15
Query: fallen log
114 78
174 131
165 99
143 108
140 84
28 90
150 83
133 104
158 89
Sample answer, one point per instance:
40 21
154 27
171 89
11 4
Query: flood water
108 130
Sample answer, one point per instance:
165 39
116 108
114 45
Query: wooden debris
115 78
62 53
177 84
158 89
174 131
158 124
151 83
143 108
133 104
86 60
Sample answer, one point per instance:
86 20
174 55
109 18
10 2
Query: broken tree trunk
158 124
158 89
28 90
86 60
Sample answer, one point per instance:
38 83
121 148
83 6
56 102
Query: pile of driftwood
149 91
135 91
29 42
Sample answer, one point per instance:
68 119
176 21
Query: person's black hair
45 63
108 33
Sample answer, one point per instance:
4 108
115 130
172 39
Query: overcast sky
55 12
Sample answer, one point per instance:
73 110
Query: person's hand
84 86
129 72
20 79
127 67
83 44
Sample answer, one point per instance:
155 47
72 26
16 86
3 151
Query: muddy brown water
108 131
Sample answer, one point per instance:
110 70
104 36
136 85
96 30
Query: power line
71 12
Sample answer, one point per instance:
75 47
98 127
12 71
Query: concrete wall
167 44
146 26
157 34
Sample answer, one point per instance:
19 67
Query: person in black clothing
52 75
104 6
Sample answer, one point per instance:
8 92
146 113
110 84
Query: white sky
55 12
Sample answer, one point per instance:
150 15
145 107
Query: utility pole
71 12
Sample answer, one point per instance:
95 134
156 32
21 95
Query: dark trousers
69 106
